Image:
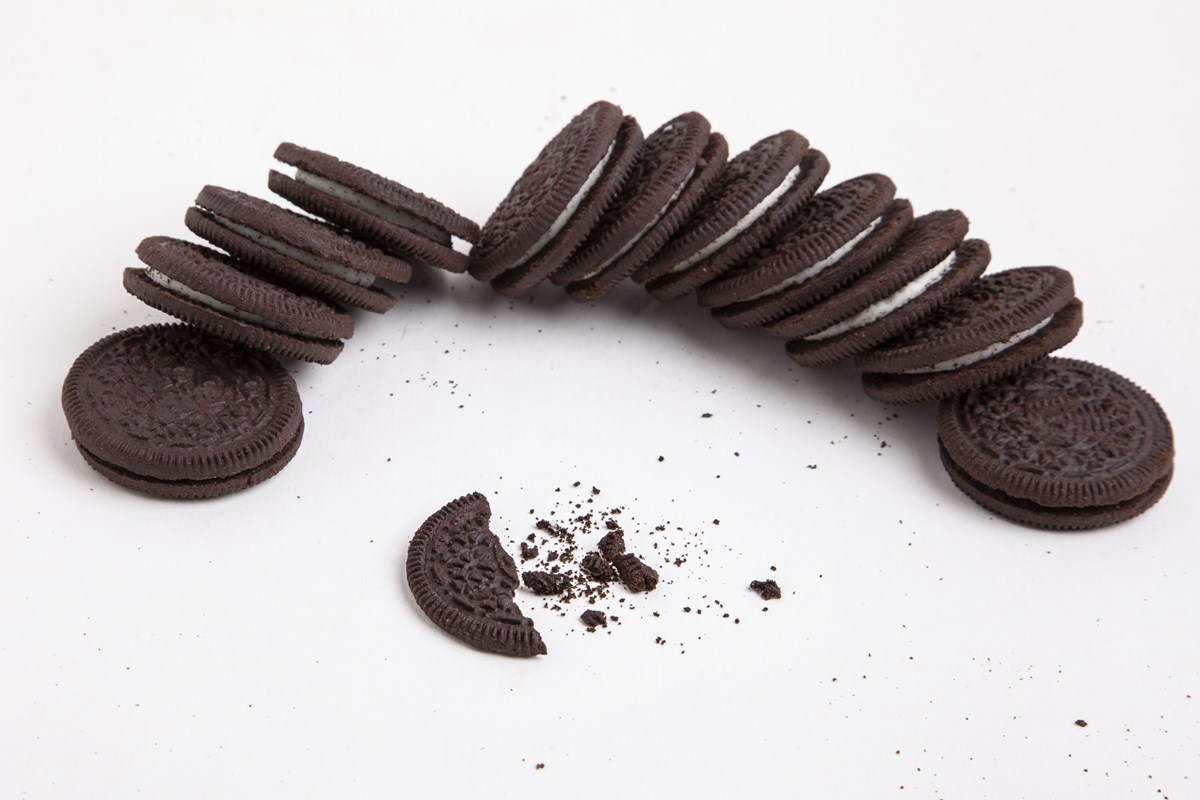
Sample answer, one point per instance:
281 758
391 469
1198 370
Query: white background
265 644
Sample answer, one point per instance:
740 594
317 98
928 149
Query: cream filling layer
742 224
573 205
372 206
661 213
879 310
967 360
183 290
822 265
335 270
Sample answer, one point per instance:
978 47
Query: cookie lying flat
208 290
1001 323
171 411
758 192
540 263
1062 444
842 233
374 208
296 250
677 165
531 220
465 582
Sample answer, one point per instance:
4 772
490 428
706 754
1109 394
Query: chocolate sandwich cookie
295 250
677 164
758 193
927 267
999 324
540 263
1062 444
835 238
376 209
173 412
209 290
549 191
465 582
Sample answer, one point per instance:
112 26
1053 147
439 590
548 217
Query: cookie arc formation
464 581
851 272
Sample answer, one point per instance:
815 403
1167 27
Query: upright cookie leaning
1063 444
171 411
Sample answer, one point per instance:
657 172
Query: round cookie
1062 444
171 411
666 164
543 199
376 209
826 232
298 251
208 290
758 193
465 582
542 263
999 324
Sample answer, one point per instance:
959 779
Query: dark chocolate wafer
998 325
374 208
554 253
172 411
666 163
824 232
757 194
1062 444
465 582
548 192
210 290
928 241
296 250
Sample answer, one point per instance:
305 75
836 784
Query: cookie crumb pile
845 272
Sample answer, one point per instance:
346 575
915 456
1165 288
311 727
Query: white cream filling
879 310
561 221
183 290
822 265
373 206
661 213
742 224
349 274
979 355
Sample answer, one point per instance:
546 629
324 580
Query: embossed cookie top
301 232
464 581
172 402
544 189
375 186
1061 433
992 309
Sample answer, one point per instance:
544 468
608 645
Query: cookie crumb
1081 723
767 590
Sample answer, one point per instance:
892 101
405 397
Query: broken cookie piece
635 573
465 582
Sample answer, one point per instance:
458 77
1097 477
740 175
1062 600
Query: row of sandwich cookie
284 280
204 409
847 272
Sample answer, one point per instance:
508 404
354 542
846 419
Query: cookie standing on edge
173 412
465 582
208 290
759 192
296 250
379 210
677 164
1062 444
842 233
999 324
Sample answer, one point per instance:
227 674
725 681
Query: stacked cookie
205 409
847 272
843 272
